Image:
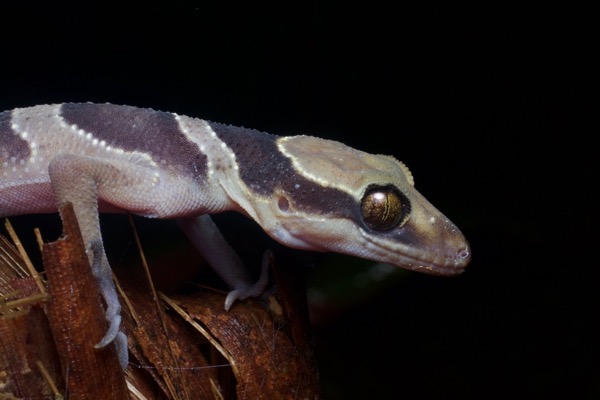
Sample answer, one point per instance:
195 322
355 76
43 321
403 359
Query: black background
491 108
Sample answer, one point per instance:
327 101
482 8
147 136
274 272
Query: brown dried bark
184 346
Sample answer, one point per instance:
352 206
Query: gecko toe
112 333
254 290
121 345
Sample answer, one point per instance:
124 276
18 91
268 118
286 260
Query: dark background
491 108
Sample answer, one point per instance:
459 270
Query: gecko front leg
208 240
75 180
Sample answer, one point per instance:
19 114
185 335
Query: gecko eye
384 207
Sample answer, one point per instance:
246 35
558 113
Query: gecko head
343 200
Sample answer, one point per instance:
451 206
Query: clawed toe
254 290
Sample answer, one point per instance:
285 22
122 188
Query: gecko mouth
444 256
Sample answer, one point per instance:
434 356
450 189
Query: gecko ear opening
384 208
283 203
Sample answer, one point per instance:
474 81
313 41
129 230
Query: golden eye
383 208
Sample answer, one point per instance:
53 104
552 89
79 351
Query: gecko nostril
463 253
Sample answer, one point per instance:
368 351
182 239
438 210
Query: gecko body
305 192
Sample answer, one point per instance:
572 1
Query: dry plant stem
26 301
265 361
19 246
49 381
77 319
25 339
159 308
153 351
215 343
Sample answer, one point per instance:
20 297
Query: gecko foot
108 291
254 290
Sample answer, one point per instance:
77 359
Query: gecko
305 192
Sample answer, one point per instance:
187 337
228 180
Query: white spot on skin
432 220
